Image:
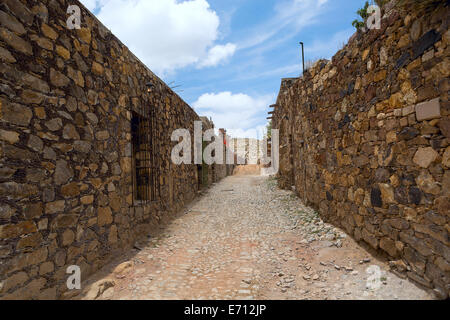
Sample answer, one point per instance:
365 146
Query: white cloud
218 54
238 113
165 34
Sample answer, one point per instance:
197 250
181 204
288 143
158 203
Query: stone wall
365 139
66 178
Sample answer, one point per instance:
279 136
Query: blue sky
227 56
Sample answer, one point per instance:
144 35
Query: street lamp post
303 57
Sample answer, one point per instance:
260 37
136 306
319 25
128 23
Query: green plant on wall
269 130
362 12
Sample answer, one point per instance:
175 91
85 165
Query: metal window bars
145 161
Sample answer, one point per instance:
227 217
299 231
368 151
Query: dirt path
246 239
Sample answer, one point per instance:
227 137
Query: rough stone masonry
365 139
67 98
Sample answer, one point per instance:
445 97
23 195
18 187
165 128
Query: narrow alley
195 150
246 239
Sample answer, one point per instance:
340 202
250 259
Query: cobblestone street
246 239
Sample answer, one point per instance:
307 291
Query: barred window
146 186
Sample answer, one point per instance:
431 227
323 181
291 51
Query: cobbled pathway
246 239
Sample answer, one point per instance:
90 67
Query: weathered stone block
434 231
70 190
54 124
387 193
403 60
6 212
428 110
415 243
102 135
408 133
55 207
415 195
444 125
380 76
408 110
425 42
375 198
46 267
15 190
9 136
67 238
58 79
443 264
49 32
87 199
9 231
97 68
44 43
63 221
388 245
92 97
76 76
62 172
82 146
35 143
11 23
6 56
424 157
63 52
70 132
104 216
85 35
446 158
13 281
435 218
30 241
426 182
35 83
15 113
112 237
31 97
370 239
33 210
403 41
16 42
